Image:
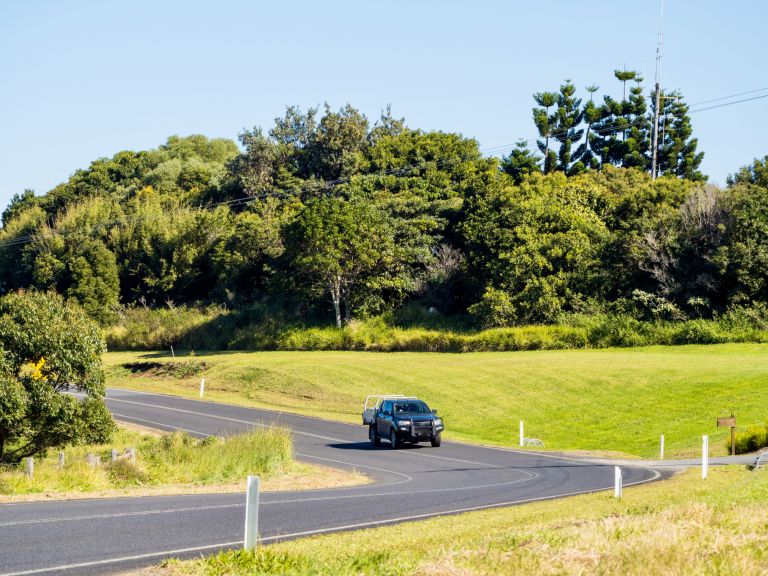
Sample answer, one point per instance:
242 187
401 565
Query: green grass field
613 399
684 525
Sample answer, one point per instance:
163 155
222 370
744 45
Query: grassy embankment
277 325
170 464
615 400
684 525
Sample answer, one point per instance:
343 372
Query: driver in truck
400 420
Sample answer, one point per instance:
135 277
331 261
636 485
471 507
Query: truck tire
435 441
394 441
375 440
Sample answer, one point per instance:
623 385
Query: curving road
102 536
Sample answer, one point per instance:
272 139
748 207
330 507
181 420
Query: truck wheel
435 441
394 441
375 440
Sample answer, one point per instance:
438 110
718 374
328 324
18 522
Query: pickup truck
401 419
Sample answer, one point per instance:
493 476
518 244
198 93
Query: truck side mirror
434 412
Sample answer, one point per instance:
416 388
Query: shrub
495 309
753 439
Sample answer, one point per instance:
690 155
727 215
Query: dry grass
694 539
680 526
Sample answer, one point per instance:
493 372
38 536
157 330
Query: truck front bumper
412 434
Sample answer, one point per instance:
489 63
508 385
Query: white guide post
113 455
521 433
252 513
173 353
617 488
202 386
61 459
30 467
704 457
661 451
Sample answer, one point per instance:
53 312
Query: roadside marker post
618 487
252 513
173 353
113 455
661 450
521 433
30 467
704 457
61 459
202 386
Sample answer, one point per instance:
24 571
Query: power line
727 104
726 97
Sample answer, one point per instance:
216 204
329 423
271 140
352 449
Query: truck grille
422 426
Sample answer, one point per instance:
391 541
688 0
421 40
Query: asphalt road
103 536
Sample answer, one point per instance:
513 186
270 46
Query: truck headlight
404 423
438 422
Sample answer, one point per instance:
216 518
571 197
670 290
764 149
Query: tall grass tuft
178 458
175 458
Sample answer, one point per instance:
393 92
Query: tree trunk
336 307
335 297
347 310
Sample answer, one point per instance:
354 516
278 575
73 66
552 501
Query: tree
636 143
591 114
337 244
521 162
755 175
245 253
443 275
18 204
677 154
624 77
48 347
625 118
386 127
537 243
337 147
545 125
568 116
82 268
255 168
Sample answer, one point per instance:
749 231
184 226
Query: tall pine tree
545 123
616 139
591 114
636 145
569 116
521 162
677 154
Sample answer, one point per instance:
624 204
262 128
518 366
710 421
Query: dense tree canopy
355 218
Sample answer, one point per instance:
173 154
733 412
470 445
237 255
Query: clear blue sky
82 80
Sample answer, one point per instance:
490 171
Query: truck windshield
411 408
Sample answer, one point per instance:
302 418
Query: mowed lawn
616 399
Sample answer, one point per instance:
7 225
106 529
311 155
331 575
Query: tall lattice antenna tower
658 81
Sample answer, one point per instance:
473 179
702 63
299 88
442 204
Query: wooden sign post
729 423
